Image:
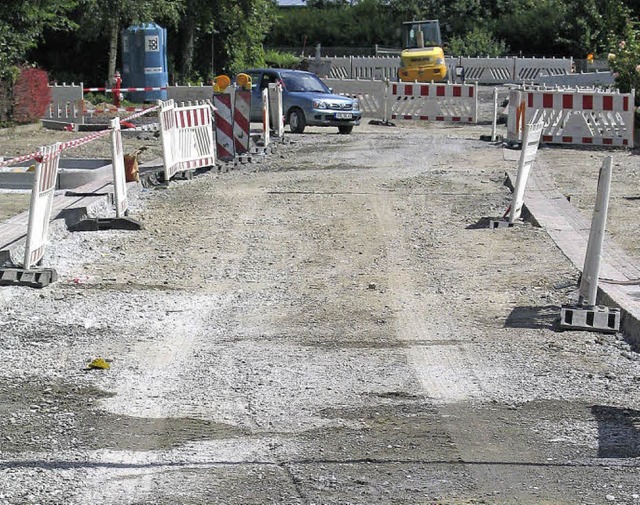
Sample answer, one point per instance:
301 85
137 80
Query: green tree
22 24
478 42
624 58
534 27
241 27
590 24
223 36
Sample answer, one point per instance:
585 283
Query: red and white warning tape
72 144
123 109
141 112
111 90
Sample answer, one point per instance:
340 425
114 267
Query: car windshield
303 82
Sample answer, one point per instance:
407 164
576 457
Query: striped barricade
434 102
530 143
224 126
117 163
241 121
186 134
44 185
276 110
574 116
167 120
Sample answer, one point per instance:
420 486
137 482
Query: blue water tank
144 62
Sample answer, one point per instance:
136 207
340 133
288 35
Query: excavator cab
422 57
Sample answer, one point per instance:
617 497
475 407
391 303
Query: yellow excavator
422 57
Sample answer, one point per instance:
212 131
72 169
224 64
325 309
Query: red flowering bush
31 95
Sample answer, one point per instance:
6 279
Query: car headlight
356 105
319 104
439 61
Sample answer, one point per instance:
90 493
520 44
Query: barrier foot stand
5 258
590 318
259 150
106 223
381 122
31 277
499 223
244 158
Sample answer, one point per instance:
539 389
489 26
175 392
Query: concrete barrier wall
66 92
66 101
481 70
587 79
370 94
530 69
189 93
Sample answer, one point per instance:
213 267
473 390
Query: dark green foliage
22 24
477 42
624 59
77 39
529 27
277 59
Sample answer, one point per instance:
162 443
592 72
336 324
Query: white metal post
118 168
589 282
265 117
494 126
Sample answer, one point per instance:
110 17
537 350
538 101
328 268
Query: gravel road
329 326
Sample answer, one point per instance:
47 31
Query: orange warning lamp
220 83
244 81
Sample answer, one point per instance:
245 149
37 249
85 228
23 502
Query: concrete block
499 223
596 318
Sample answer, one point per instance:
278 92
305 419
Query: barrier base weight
33 277
380 122
110 223
596 318
499 223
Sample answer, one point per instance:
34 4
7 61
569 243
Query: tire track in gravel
443 370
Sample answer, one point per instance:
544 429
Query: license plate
344 115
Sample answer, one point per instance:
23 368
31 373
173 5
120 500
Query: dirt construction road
327 327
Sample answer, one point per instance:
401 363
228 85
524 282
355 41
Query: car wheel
297 122
345 129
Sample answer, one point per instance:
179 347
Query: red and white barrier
276 109
186 134
434 102
530 143
574 116
241 121
44 185
117 163
224 126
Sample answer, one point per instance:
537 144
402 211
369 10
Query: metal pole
589 282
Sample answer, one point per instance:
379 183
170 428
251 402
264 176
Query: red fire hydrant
116 88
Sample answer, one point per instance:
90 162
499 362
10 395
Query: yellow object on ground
98 364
